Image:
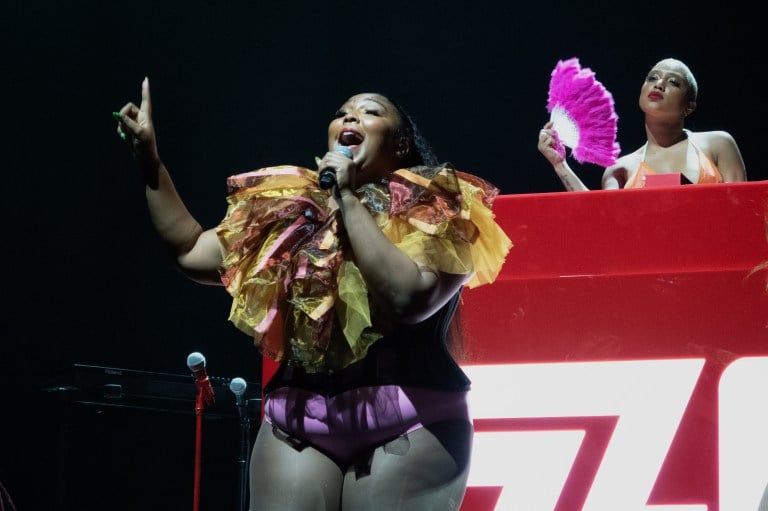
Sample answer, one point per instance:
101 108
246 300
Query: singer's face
367 123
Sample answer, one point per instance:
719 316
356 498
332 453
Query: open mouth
350 137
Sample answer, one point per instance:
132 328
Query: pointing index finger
146 100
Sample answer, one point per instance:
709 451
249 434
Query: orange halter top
708 172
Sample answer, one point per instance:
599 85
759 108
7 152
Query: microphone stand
204 395
245 442
238 387
199 405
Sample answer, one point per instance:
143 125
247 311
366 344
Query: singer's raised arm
196 252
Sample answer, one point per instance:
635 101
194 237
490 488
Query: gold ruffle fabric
288 270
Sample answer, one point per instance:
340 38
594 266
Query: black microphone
196 364
238 386
328 176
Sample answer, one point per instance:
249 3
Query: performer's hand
344 168
135 127
548 145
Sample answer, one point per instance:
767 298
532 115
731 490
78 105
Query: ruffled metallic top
292 275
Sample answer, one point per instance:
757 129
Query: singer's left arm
408 292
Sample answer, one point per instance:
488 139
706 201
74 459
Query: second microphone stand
245 443
238 387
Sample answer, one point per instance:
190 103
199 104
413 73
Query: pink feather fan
582 113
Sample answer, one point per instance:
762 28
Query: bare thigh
285 478
426 470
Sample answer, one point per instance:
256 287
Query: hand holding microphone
327 177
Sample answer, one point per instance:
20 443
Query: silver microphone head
195 361
346 151
238 386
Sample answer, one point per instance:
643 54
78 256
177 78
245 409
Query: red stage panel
637 307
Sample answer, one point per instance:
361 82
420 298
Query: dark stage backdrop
238 85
